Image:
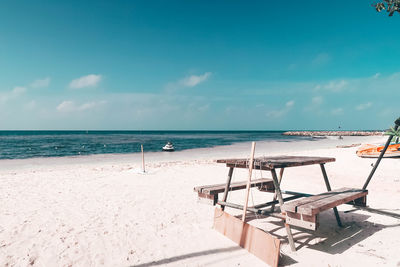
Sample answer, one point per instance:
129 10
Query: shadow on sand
187 256
329 237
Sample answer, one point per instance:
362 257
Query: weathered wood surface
265 183
269 163
226 189
279 182
315 204
208 199
301 220
246 201
328 186
260 243
253 210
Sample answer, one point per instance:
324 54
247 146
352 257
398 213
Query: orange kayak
373 151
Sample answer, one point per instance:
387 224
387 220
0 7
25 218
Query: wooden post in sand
143 167
253 148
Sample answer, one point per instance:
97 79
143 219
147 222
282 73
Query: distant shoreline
334 133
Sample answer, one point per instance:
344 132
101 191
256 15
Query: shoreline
76 145
334 133
241 149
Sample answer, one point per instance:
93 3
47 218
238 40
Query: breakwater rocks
334 133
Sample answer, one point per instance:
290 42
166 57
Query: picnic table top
269 163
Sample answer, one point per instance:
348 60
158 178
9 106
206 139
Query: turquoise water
29 144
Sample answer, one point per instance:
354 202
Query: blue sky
219 65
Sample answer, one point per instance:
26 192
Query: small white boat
169 147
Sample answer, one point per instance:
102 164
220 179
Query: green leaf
393 132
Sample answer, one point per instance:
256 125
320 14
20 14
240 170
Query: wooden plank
227 185
246 201
253 209
207 199
279 182
143 165
293 205
328 187
268 163
359 202
260 243
263 182
219 188
318 206
267 187
302 220
347 195
280 198
280 159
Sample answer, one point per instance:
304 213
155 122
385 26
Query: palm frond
393 132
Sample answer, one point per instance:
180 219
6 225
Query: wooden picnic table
271 164
300 209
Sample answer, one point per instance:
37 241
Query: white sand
99 211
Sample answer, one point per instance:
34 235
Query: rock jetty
334 133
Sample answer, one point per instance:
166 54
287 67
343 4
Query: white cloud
85 81
274 114
71 106
332 86
204 108
229 109
66 106
337 111
14 93
321 59
289 104
364 106
317 100
317 87
336 86
194 80
30 105
41 83
394 76
3 98
389 112
376 75
190 81
87 106
18 90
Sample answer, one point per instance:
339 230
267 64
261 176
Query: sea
30 144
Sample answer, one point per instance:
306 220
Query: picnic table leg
279 181
328 186
280 199
228 184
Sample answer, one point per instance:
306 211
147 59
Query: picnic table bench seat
304 212
209 193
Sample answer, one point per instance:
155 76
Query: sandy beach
101 211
